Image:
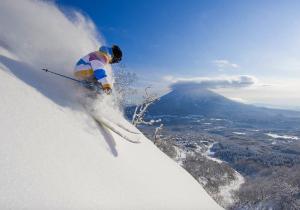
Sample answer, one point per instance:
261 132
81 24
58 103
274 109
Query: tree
157 132
140 110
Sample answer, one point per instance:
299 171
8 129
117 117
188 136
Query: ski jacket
95 65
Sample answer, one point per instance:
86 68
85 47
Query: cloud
223 64
241 100
214 82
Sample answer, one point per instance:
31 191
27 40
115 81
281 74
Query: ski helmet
116 54
106 50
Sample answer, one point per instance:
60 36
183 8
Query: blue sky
213 38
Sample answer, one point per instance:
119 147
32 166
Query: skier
93 69
94 66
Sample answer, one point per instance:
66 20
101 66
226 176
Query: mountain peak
189 100
194 92
192 100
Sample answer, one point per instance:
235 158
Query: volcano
187 101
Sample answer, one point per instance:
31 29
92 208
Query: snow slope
53 157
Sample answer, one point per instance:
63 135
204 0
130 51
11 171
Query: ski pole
76 80
86 84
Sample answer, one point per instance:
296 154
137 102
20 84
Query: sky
169 41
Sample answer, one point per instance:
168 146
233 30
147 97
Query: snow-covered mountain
201 101
53 155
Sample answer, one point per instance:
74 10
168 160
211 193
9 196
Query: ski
117 124
126 129
110 126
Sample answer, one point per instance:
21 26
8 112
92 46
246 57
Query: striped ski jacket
95 65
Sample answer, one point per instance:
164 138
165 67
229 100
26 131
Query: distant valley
257 142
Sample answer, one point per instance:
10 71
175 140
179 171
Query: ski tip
136 142
116 129
133 141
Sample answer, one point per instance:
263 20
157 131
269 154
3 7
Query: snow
215 119
209 154
254 130
227 191
53 157
239 133
276 136
52 154
181 155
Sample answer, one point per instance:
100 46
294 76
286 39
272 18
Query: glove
107 89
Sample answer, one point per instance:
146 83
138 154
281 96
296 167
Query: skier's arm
100 73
